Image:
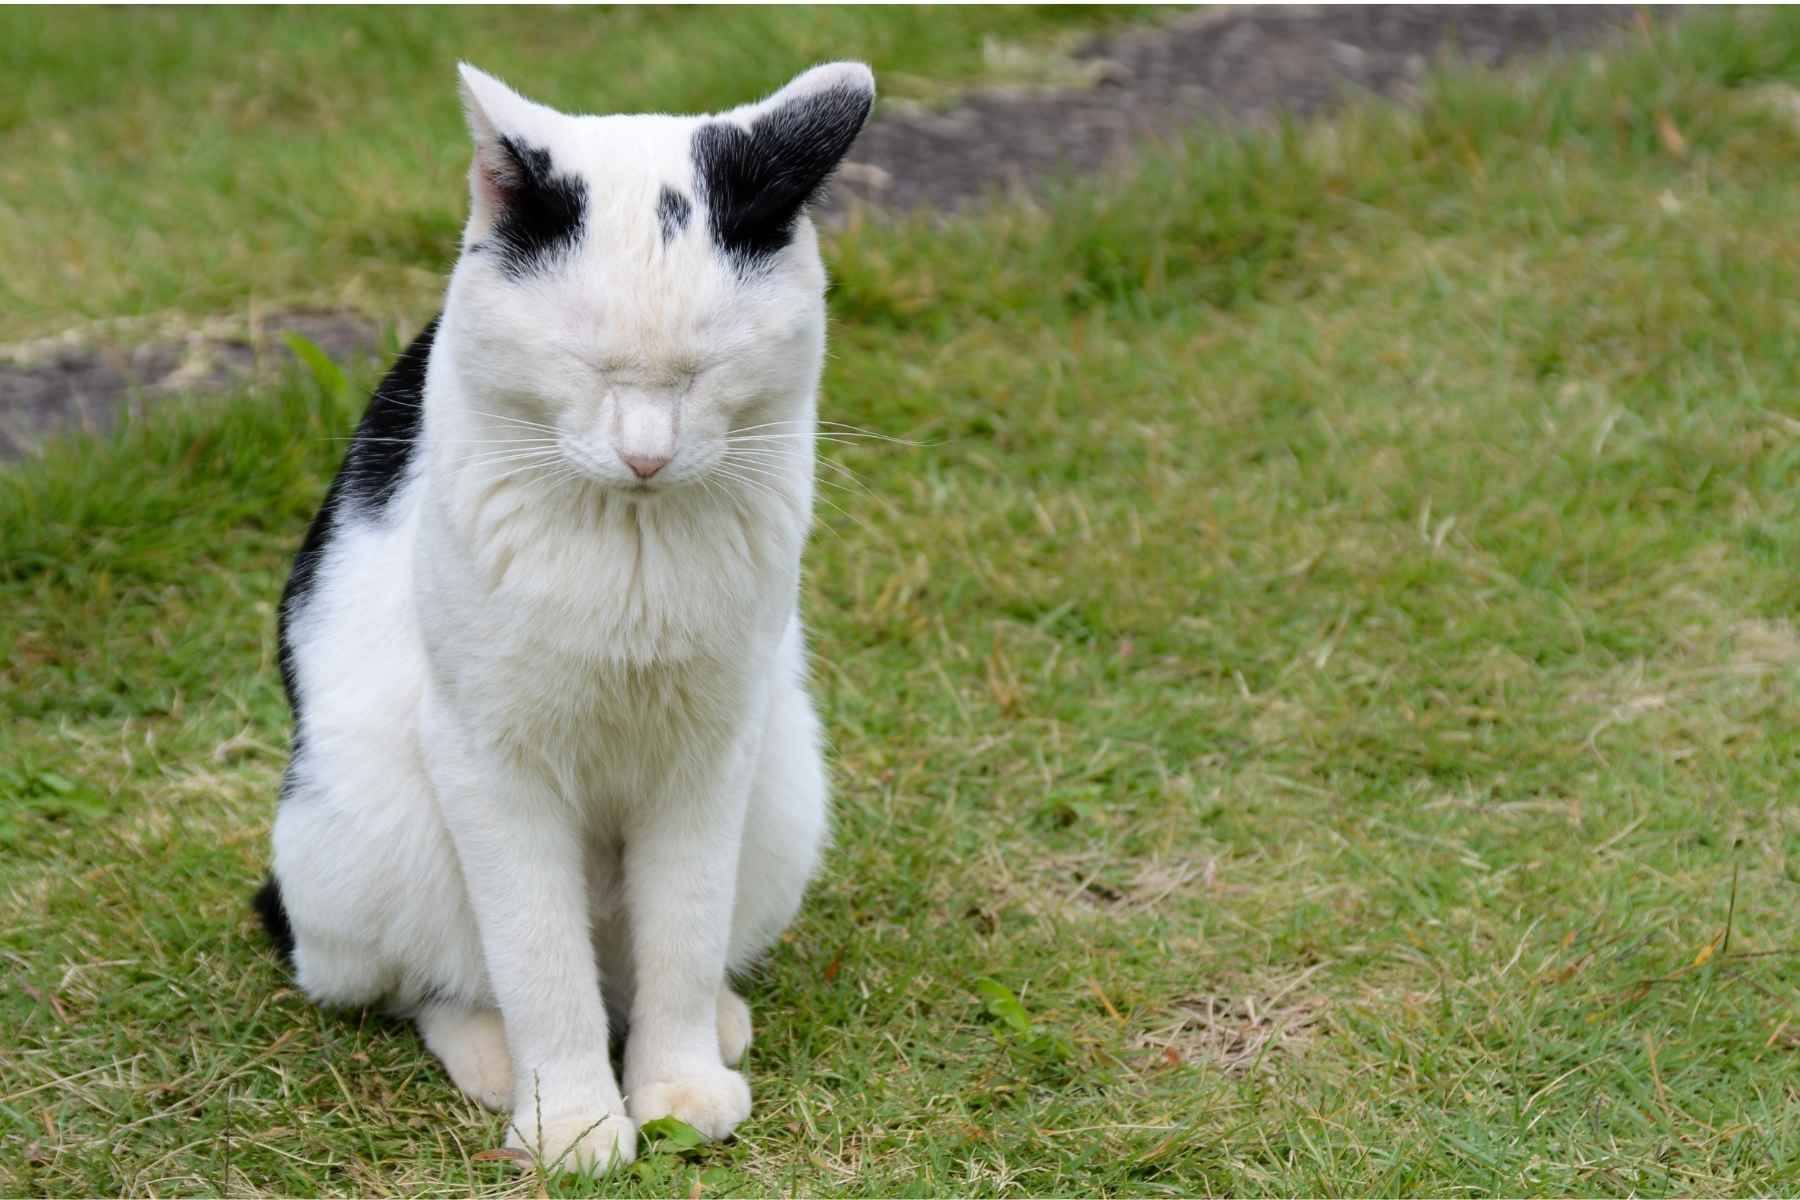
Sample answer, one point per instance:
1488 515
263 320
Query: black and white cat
554 752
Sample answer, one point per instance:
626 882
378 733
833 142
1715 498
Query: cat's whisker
447 441
707 486
758 485
554 480
399 403
777 454
534 447
804 430
757 435
495 472
825 428
521 421
805 421
775 458
487 466
521 470
847 425
494 458
766 425
739 500
848 515
825 500
739 471
845 513
826 435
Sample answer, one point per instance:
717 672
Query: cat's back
342 616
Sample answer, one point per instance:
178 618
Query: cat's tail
274 917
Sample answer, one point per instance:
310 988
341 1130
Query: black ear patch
672 210
755 182
542 210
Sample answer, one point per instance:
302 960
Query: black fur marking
542 210
274 918
372 472
383 446
673 210
755 183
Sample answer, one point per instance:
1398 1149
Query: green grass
168 161
1335 664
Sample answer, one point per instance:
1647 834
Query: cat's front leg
681 858
522 859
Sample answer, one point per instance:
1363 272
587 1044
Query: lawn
1318 713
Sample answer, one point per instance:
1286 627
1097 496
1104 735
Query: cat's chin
637 491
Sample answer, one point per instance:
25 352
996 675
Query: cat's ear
510 133
522 208
760 165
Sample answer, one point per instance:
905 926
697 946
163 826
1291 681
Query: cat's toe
713 1103
584 1144
734 1027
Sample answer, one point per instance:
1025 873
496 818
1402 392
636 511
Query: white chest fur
603 633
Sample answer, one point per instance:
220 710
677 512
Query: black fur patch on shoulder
275 918
756 181
542 210
673 210
383 446
372 472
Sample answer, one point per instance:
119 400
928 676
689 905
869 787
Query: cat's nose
645 465
646 428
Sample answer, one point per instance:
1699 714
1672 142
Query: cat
555 766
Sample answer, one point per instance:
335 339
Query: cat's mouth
592 467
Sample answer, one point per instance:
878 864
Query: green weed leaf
678 1135
334 385
1002 1005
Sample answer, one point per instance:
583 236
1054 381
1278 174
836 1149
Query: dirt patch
1222 64
1238 1033
1228 64
1082 886
75 383
1087 881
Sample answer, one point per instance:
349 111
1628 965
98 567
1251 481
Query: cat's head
645 284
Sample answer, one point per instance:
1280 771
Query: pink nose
645 465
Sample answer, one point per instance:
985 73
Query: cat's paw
734 1027
588 1145
713 1103
472 1046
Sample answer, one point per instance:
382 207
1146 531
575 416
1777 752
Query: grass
1321 717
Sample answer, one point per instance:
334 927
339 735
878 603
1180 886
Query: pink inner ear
492 175
489 195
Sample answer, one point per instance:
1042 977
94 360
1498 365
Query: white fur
558 751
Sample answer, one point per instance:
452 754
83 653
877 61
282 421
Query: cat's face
643 285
